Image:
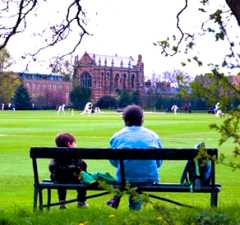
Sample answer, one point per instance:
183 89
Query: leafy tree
149 101
218 25
21 98
221 89
107 102
136 98
127 97
80 96
8 84
4 59
124 98
217 89
8 80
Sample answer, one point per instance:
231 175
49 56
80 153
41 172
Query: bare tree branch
72 23
62 31
183 35
21 16
178 23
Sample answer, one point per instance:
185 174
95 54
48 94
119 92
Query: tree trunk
234 5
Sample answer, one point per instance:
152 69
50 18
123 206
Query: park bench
37 153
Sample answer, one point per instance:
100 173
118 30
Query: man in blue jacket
134 135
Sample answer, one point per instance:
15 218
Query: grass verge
156 214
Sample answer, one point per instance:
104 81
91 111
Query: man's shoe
114 202
62 207
82 205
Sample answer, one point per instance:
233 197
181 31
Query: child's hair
64 139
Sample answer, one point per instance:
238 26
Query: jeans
135 202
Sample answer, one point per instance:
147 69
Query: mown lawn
22 129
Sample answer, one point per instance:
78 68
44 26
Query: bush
210 218
80 96
107 102
21 99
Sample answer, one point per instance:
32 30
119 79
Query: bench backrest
107 153
120 154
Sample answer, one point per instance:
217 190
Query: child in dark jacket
67 170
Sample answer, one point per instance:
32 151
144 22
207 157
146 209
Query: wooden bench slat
105 153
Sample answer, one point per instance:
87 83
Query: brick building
106 75
47 89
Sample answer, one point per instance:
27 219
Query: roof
37 76
117 61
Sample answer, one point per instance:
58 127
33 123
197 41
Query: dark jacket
66 170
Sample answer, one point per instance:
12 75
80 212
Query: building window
85 80
132 81
98 82
124 80
102 80
108 76
116 79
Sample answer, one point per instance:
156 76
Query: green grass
22 129
97 216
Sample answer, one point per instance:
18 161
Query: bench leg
40 199
48 198
35 198
214 199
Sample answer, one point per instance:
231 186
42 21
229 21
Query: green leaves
217 16
80 96
8 84
215 87
4 59
219 36
21 98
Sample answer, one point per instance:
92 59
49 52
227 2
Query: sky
126 28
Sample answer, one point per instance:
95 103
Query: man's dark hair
64 139
133 115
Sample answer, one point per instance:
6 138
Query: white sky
123 27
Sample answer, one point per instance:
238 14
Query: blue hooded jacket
137 170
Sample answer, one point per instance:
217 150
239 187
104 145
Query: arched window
116 79
102 80
85 80
124 80
132 80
